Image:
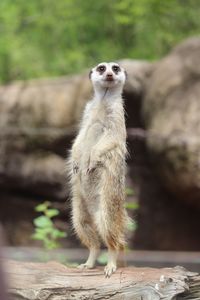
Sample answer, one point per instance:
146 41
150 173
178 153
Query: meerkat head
108 75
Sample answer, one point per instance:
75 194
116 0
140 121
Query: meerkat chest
97 123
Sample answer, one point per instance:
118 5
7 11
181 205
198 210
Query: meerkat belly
92 136
90 188
90 182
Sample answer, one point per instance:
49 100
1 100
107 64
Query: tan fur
97 173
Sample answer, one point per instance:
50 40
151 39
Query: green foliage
45 229
129 191
103 258
42 38
132 225
131 205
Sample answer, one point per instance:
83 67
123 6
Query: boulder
171 112
38 121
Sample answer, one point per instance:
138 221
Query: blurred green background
45 38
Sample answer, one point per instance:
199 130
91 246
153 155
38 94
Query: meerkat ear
90 74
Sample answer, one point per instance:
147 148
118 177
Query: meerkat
97 168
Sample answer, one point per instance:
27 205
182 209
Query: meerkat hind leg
89 264
85 230
111 266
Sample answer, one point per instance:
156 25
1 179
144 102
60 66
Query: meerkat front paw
93 165
75 167
109 269
94 162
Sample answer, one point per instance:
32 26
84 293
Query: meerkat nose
109 76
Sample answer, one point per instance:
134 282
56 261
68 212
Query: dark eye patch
116 68
101 69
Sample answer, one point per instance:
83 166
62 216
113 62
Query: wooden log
52 280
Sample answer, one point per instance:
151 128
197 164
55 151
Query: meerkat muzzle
109 77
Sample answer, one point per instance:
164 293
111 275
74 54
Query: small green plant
131 205
131 225
129 191
45 229
103 258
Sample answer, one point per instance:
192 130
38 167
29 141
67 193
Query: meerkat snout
109 76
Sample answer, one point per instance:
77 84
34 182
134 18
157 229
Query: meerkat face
108 75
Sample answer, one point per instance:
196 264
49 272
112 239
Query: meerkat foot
109 269
89 264
86 266
111 266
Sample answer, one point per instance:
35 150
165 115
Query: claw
75 168
109 270
90 170
94 167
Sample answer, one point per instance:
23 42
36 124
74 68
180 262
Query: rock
38 112
38 122
38 171
137 74
171 113
38 119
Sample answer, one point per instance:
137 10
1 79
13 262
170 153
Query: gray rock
172 114
36 118
38 121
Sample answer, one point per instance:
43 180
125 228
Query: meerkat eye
101 69
116 69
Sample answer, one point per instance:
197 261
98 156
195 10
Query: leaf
129 192
43 230
56 233
43 222
42 207
103 258
52 212
37 236
131 225
50 244
132 205
63 234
